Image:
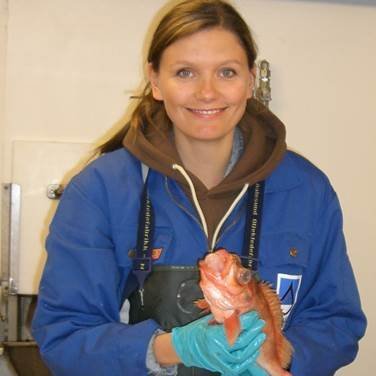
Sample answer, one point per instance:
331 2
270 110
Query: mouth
209 112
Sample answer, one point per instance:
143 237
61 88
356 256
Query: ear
252 80
154 83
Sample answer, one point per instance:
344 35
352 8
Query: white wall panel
3 44
72 66
35 166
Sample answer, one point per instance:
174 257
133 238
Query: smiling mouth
207 112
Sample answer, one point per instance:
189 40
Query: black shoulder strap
250 254
142 261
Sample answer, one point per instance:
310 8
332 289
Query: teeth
207 112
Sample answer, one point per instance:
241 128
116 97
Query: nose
207 89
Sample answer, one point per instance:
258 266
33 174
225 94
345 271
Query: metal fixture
11 205
263 89
55 191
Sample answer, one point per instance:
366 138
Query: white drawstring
198 207
195 200
230 209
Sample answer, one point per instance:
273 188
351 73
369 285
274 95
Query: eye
227 72
184 73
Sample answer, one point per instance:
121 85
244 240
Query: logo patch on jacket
156 253
287 290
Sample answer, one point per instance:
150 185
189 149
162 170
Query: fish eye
244 276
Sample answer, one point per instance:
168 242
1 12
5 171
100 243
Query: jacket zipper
182 207
200 212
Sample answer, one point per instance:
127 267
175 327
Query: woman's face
204 81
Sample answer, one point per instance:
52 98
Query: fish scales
221 271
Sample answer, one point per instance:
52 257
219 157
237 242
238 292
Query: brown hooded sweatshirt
264 147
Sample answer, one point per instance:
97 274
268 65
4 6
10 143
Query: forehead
207 46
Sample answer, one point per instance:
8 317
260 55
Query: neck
205 159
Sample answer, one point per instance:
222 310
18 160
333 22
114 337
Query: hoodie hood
264 147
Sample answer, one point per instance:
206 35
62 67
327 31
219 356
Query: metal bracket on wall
55 191
11 206
263 89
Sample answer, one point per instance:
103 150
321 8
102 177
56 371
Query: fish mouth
215 262
216 267
212 267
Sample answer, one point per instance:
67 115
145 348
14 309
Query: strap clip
142 264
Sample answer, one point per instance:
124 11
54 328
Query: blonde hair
184 19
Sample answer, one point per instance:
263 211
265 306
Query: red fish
230 290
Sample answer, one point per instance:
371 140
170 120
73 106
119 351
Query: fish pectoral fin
202 304
232 328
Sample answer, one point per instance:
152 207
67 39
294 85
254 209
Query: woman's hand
199 344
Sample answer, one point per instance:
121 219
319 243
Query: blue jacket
302 254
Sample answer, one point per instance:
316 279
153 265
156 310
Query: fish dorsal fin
275 317
273 303
232 328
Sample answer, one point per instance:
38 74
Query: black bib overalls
168 291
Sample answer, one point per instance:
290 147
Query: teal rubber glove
199 344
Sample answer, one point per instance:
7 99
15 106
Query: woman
180 180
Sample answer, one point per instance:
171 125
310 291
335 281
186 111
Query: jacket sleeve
77 324
328 321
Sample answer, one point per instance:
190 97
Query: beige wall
3 39
324 89
72 64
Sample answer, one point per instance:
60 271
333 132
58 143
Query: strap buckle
142 264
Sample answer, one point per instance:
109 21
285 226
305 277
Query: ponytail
148 113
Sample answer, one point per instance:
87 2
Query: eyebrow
187 62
